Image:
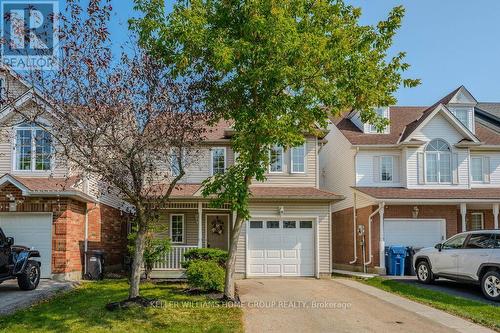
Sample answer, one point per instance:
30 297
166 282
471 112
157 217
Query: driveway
469 291
12 298
309 305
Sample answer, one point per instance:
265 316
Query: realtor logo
30 34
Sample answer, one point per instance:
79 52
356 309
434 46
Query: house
45 204
289 232
433 172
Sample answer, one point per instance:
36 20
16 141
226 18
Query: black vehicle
16 263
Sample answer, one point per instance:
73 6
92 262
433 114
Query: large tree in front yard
121 118
279 70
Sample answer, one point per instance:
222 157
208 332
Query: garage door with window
417 233
281 247
33 231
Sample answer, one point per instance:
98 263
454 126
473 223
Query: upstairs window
276 159
383 113
218 160
438 162
462 114
298 157
480 169
33 149
386 168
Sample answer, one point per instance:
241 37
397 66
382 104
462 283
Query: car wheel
490 285
424 272
30 278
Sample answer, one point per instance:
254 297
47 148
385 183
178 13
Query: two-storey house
433 172
45 204
289 232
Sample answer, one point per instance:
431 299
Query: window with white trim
298 159
276 159
382 113
33 149
218 160
174 162
438 162
386 168
177 228
477 221
462 114
476 164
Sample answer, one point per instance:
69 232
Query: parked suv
16 262
472 257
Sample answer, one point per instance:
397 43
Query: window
496 241
298 159
33 149
276 159
272 224
477 221
462 115
218 160
381 112
174 163
455 242
477 169
177 228
255 224
289 224
386 168
438 162
306 224
480 241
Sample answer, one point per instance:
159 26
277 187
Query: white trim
282 160
392 168
482 220
304 159
183 229
481 158
212 159
228 227
14 148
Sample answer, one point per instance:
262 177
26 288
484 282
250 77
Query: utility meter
361 230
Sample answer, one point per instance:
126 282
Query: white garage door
417 233
31 230
281 248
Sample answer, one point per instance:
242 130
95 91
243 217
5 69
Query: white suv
467 257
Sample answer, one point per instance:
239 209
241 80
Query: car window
480 241
496 243
455 242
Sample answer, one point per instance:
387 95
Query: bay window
33 149
438 162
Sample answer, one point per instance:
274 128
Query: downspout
370 220
354 231
86 241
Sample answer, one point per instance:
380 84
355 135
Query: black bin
95 265
409 269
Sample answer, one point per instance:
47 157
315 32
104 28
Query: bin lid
397 249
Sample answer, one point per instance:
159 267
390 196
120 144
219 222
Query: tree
122 119
279 70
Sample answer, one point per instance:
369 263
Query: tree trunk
229 292
135 276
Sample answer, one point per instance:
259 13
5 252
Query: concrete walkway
12 298
339 305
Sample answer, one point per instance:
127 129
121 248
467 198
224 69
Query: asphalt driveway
309 305
12 298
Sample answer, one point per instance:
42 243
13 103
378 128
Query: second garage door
417 233
281 248
31 230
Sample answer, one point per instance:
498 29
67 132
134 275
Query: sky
448 43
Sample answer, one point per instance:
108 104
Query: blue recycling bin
396 255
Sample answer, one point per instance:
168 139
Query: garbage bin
95 265
397 255
409 269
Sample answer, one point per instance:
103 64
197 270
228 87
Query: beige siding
319 211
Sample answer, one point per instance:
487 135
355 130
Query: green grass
82 310
478 312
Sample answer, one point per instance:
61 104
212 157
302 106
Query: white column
381 249
463 212
200 224
495 215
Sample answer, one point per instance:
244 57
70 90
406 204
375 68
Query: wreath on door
217 226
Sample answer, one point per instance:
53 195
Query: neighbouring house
433 172
45 205
289 232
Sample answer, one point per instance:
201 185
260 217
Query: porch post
200 224
495 215
381 249
463 213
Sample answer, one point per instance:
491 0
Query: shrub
205 275
217 255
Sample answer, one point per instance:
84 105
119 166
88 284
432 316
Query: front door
218 231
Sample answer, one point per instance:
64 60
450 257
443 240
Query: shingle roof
405 193
48 184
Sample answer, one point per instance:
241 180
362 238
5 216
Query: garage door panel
290 254
273 254
417 233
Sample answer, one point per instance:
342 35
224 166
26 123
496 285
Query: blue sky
448 43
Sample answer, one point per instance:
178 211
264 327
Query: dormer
367 127
461 104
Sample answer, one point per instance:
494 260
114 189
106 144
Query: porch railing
173 259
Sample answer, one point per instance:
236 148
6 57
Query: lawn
82 310
481 313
